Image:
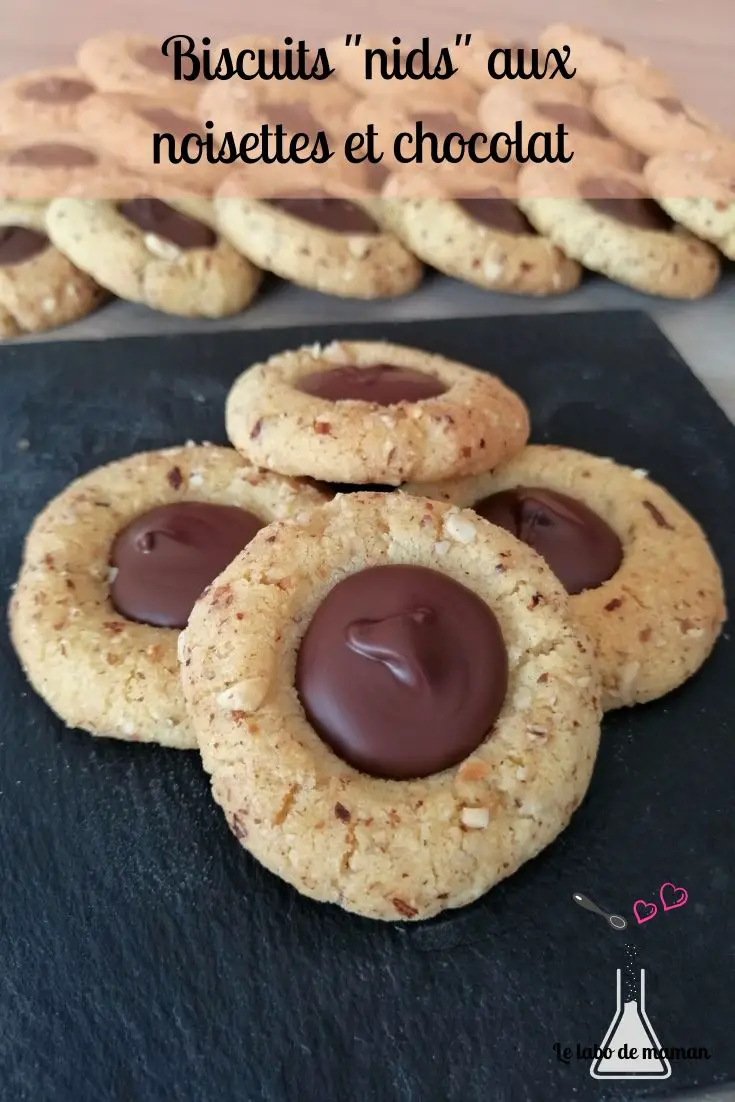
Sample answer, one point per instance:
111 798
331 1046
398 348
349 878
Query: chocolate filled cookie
163 250
111 569
698 191
605 219
642 578
133 128
39 288
655 124
373 412
134 63
479 235
44 101
307 226
542 106
394 703
40 168
600 61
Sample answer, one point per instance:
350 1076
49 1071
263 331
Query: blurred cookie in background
44 101
40 289
698 191
604 218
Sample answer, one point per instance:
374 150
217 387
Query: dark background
146 957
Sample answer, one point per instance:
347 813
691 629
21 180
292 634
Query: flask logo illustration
631 1049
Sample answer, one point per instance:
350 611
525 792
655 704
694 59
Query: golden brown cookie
350 758
106 584
37 169
540 107
698 191
125 127
39 288
480 237
600 61
373 412
134 63
643 579
44 101
654 124
160 249
602 217
310 226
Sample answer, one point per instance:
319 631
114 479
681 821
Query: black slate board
145 957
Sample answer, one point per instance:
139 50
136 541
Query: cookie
394 704
159 250
642 578
698 191
350 68
373 412
481 237
539 107
654 125
111 569
134 63
36 169
39 288
44 101
240 107
125 127
602 217
302 225
600 61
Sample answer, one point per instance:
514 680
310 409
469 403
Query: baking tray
146 957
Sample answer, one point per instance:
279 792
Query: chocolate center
576 118
320 209
18 244
380 384
167 557
492 209
57 90
155 216
52 155
151 58
402 671
623 201
168 122
578 545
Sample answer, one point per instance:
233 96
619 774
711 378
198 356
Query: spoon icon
616 921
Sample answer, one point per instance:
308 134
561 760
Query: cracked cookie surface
95 668
656 620
471 426
387 849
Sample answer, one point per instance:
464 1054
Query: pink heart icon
678 896
643 911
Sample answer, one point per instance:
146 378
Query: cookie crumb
164 250
441 547
404 908
459 528
23 445
537 732
640 473
475 818
242 697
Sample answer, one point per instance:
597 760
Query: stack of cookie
389 624
648 200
